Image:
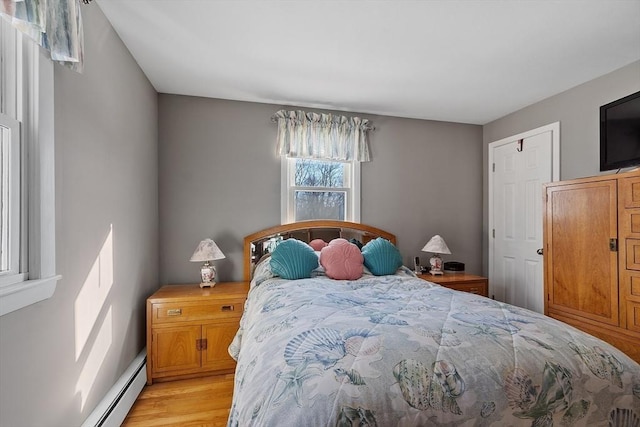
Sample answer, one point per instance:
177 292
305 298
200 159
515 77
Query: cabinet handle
227 308
174 312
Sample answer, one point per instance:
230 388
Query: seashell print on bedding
600 362
422 390
293 382
537 342
541 402
622 417
356 417
349 377
322 345
488 408
274 329
362 345
636 387
444 337
482 319
576 411
385 319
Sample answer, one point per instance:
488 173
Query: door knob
540 251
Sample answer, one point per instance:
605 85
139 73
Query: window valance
322 136
56 25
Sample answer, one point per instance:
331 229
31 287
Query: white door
518 166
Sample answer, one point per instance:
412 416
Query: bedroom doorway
518 166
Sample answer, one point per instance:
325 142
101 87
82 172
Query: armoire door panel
633 316
635 286
630 191
633 254
583 280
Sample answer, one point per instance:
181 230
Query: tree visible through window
320 190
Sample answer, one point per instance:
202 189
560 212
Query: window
9 199
321 155
320 189
27 178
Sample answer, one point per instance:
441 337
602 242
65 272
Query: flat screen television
620 133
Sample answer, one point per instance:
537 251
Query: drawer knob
227 308
174 312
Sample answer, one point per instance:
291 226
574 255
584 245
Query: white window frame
10 195
26 83
288 189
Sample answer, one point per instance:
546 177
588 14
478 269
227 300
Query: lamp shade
207 250
436 245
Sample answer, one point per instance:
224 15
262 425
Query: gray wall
578 111
220 178
59 357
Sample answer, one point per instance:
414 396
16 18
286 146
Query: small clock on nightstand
460 282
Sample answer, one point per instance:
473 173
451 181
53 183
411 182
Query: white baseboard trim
115 405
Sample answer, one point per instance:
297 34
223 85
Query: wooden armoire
592 256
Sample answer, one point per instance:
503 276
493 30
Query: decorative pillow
342 260
293 259
318 244
381 257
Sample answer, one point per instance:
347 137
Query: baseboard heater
114 407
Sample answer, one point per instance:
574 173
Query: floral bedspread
399 351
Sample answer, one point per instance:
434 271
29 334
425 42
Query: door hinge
613 245
493 233
201 344
493 167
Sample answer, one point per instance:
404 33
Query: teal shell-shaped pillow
381 257
293 259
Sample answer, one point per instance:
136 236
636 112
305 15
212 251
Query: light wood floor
196 402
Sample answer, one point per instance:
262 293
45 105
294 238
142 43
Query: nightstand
189 329
460 282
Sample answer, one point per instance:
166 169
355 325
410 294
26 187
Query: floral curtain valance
322 136
56 25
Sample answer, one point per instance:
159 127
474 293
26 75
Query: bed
395 350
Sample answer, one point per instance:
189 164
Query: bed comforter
399 351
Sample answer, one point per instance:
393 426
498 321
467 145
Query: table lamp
207 251
436 246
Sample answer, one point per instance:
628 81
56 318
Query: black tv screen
620 133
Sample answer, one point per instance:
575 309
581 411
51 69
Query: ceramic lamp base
208 275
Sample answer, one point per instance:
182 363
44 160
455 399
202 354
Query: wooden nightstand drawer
193 311
473 288
460 282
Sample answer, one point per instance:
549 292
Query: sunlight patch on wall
93 294
95 359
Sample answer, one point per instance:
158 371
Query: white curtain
56 25
322 136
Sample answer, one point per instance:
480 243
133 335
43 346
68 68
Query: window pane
320 205
318 173
4 198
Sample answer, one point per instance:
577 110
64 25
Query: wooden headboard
256 244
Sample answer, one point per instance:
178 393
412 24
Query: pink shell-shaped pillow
318 244
342 260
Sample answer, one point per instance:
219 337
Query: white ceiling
470 61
